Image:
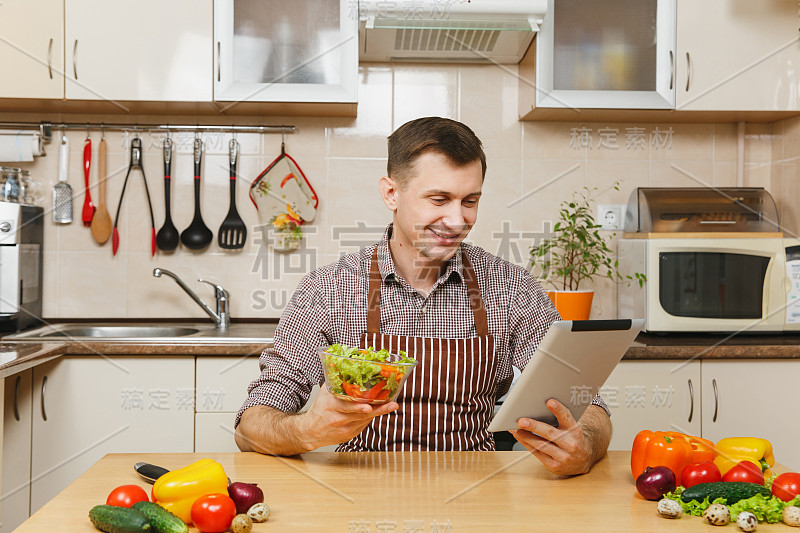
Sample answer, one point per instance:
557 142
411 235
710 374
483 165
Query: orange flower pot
572 305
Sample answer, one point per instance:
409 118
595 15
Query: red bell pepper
668 448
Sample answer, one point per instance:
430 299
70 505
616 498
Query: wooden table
400 492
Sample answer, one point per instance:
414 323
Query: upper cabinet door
31 48
286 51
609 54
144 50
741 56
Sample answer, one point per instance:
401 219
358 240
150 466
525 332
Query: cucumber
732 491
162 520
112 519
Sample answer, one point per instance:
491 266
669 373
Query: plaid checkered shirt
329 306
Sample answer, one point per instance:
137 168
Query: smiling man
464 314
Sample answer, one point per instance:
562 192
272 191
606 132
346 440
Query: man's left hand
563 450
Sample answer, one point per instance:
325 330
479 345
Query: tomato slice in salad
372 394
354 391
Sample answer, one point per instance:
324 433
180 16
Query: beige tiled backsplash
532 167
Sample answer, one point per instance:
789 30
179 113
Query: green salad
367 375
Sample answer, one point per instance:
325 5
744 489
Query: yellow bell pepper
734 449
177 490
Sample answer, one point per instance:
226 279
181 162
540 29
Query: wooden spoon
101 221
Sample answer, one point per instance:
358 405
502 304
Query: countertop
252 339
242 339
401 491
714 346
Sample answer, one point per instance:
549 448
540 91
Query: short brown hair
451 138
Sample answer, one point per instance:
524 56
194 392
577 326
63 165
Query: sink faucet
222 317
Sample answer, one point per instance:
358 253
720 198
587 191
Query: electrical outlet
610 216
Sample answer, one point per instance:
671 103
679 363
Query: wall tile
91 285
726 145
365 135
689 142
616 141
603 174
725 175
777 140
790 191
758 142
791 138
488 105
495 212
757 175
681 173
50 279
545 184
553 140
422 92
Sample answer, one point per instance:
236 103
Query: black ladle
168 237
197 236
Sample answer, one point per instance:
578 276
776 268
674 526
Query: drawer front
222 383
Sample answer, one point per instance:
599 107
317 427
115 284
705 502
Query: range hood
456 31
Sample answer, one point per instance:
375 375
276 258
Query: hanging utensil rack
46 128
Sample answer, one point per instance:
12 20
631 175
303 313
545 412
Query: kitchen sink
192 333
113 332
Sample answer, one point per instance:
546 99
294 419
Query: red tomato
127 495
213 513
786 486
746 471
703 472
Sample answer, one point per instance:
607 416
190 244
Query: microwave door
717 285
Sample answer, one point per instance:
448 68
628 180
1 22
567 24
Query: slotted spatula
233 232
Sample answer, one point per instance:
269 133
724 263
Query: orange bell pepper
668 448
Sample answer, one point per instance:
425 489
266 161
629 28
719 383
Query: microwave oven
720 284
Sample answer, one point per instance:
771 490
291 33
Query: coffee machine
21 241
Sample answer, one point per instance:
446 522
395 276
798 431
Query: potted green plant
576 252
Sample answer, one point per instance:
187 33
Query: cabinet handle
688 71
219 61
671 81
75 59
16 397
691 399
716 399
50 59
44 412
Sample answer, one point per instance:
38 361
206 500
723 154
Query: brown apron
448 401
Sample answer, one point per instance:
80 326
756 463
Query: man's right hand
331 420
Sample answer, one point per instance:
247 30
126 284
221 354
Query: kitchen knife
148 472
151 473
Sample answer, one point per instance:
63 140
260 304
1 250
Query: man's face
438 206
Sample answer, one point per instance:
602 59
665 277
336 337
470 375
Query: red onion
655 481
245 495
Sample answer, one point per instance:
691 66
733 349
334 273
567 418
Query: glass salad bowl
365 376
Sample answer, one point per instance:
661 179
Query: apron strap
473 290
374 296
475 299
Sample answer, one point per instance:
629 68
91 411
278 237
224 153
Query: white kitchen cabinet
31 48
16 493
753 399
615 54
213 433
145 50
656 395
87 406
285 51
222 382
740 56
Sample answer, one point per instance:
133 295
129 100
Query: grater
62 192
